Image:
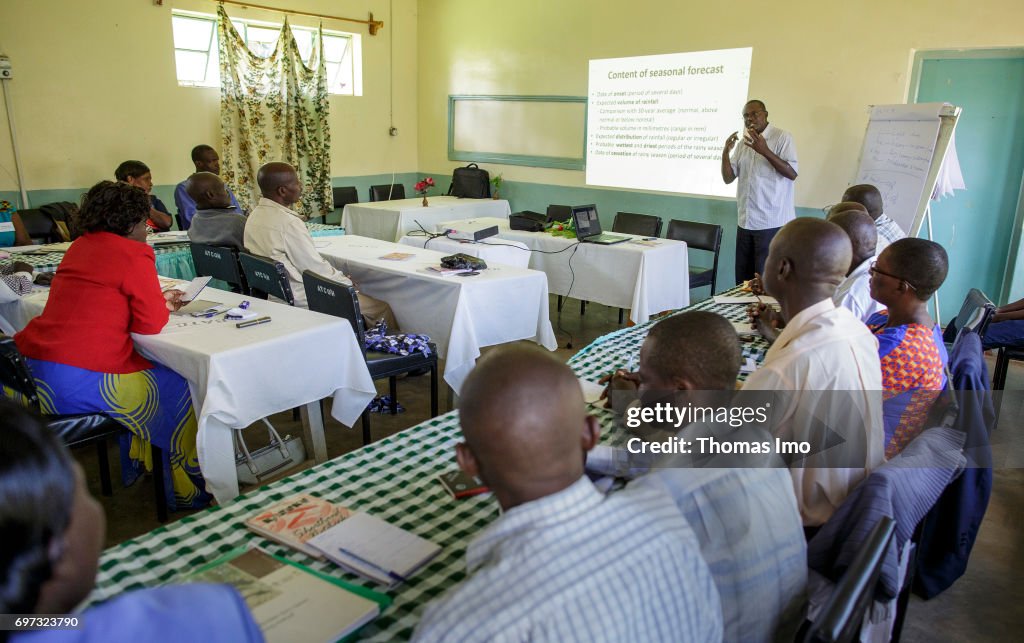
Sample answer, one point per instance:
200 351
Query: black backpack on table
470 182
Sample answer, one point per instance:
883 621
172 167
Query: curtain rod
374 25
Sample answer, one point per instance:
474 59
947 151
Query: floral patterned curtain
274 109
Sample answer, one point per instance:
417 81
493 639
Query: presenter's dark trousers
752 251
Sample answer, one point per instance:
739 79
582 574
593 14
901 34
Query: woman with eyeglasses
910 346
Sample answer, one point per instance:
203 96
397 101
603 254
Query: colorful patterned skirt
154 405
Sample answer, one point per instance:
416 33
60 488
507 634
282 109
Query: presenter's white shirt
854 294
825 349
581 566
764 198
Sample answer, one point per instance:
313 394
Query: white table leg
313 427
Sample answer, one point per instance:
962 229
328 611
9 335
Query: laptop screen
587 223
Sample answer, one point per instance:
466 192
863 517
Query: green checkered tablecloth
621 349
172 259
394 479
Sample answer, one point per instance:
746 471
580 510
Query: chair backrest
180 220
975 314
343 196
14 373
702 236
841 619
334 298
559 212
266 276
64 215
218 262
646 225
387 192
39 226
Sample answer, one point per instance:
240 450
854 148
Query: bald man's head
868 196
845 206
862 232
208 191
279 182
807 260
525 424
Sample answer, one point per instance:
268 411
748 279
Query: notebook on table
588 227
374 548
291 602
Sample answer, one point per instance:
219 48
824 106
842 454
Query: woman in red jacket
80 349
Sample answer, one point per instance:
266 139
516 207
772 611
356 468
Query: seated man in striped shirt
742 508
563 562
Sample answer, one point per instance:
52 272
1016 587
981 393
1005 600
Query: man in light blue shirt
206 159
563 562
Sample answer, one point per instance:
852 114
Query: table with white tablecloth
647 277
460 314
492 250
239 375
392 220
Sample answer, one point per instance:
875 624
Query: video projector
471 230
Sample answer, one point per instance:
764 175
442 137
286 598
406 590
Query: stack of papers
744 328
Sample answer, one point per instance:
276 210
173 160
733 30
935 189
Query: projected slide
660 122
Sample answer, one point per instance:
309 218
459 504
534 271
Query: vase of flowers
496 182
422 187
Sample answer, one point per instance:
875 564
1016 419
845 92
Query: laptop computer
588 226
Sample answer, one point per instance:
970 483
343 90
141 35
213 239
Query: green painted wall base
531 196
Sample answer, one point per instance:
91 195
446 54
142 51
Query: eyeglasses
875 271
753 113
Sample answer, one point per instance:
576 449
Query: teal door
979 226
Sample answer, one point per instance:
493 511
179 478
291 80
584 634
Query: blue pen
362 560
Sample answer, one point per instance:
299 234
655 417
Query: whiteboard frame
948 117
557 162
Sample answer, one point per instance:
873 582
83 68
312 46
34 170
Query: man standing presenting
766 167
206 159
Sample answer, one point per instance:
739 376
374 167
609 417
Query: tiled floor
983 605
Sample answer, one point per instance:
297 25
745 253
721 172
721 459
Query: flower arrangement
422 186
496 182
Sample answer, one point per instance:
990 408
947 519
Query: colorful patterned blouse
913 373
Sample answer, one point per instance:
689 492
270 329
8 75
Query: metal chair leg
367 438
559 303
583 307
104 461
393 390
433 390
620 316
159 489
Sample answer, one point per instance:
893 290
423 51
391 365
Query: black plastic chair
387 192
340 300
699 236
219 262
266 277
39 226
645 225
1003 364
78 430
342 197
975 314
840 620
180 220
559 212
